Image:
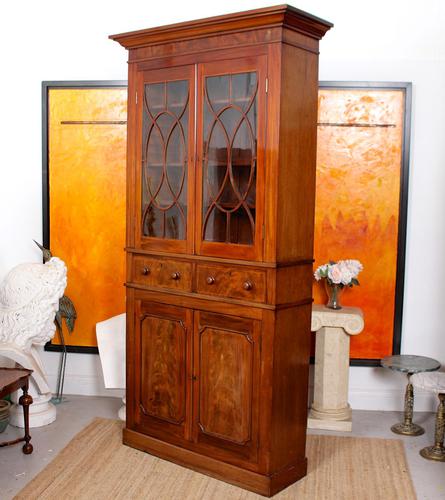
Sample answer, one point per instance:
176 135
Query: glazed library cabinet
222 116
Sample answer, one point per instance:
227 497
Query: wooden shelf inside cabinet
225 102
167 106
237 156
212 163
163 165
215 378
231 206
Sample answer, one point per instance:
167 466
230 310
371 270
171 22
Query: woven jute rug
96 465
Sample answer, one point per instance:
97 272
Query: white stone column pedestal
330 409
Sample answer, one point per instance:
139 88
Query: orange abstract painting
86 152
359 160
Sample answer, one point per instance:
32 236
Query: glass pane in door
230 158
164 159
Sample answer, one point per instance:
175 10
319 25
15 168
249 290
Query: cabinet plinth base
263 484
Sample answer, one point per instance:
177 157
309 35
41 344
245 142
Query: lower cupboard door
226 388
162 389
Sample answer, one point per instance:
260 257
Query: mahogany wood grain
164 273
210 303
226 390
293 284
272 150
161 360
297 154
217 358
227 281
131 370
204 55
295 39
163 363
291 353
132 128
217 47
280 15
206 258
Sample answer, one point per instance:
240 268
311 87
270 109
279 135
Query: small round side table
434 382
410 365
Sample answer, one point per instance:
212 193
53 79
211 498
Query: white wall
381 40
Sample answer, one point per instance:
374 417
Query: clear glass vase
334 295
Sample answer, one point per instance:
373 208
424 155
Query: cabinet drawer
164 273
246 284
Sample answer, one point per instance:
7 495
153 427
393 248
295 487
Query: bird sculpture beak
39 245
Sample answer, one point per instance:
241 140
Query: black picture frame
46 87
406 88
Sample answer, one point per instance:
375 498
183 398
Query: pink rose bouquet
342 273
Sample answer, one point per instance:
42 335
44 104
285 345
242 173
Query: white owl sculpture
29 300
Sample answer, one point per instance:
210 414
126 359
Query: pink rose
346 274
334 274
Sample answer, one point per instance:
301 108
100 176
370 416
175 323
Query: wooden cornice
269 17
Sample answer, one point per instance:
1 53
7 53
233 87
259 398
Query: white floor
16 469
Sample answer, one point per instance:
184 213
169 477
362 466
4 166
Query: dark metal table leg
407 428
25 400
437 452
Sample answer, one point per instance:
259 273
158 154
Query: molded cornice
269 17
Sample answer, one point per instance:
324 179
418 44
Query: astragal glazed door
230 168
164 159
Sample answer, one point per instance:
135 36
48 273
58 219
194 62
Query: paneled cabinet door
231 141
227 372
163 355
164 159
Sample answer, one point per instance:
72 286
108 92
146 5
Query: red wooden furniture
222 116
13 379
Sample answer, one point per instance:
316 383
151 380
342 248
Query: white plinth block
111 344
330 408
122 413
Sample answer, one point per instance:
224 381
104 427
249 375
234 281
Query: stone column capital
348 318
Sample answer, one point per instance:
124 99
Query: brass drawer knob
210 280
145 271
247 285
175 276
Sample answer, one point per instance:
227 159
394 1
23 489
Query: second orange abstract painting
359 177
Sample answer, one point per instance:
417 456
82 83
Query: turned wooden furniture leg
25 400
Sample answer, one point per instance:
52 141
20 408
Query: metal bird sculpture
46 253
66 312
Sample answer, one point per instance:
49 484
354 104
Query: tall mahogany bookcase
222 116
